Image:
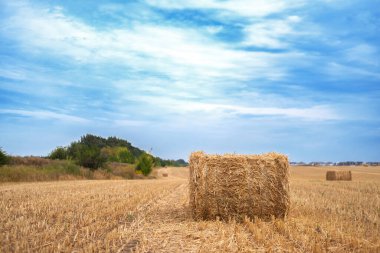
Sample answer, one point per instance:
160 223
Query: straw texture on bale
339 175
236 186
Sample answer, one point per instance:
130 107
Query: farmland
153 216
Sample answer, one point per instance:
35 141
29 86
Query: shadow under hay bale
335 175
165 174
235 186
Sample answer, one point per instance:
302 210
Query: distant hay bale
165 174
235 186
335 175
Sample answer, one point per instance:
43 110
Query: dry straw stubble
236 186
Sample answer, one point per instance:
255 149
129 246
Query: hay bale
341 175
165 174
235 186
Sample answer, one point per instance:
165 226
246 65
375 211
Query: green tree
125 156
145 164
60 153
118 154
4 158
110 154
87 156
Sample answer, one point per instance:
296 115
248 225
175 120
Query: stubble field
152 216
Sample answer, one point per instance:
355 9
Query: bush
118 154
87 156
4 158
72 169
125 156
145 164
59 153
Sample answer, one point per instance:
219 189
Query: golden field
153 216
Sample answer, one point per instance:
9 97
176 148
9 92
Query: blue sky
247 76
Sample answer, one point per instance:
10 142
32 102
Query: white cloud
363 53
168 50
244 8
228 109
342 71
294 19
12 73
128 122
41 114
312 113
20 71
188 63
214 29
188 58
261 32
271 33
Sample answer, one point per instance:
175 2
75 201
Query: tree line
94 152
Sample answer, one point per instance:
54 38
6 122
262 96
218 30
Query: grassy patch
123 170
51 170
30 169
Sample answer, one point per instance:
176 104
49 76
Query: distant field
359 173
152 216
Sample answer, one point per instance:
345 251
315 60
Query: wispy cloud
344 71
226 109
129 123
271 33
166 51
180 60
176 50
365 54
45 115
244 8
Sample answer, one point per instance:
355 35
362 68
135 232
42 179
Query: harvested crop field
154 216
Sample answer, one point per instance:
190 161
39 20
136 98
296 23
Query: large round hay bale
235 186
341 175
